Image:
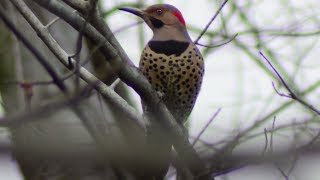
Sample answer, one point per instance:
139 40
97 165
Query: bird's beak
134 11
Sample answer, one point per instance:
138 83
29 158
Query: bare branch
291 94
266 141
79 42
237 161
286 177
296 158
83 6
206 126
280 94
105 91
37 83
52 22
20 119
272 132
127 27
35 51
220 43
210 22
115 83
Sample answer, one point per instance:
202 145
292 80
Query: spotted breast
175 69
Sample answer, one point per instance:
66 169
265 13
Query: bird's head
158 15
162 19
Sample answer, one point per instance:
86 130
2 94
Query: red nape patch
179 16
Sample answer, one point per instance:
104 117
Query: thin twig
37 83
220 43
279 76
210 22
266 141
271 149
115 83
94 50
127 26
295 160
312 141
79 42
206 126
243 135
76 55
20 119
279 93
52 22
291 94
286 177
272 132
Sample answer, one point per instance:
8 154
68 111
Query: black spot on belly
168 47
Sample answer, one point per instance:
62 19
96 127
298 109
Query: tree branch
219 44
21 119
42 60
105 91
291 94
210 22
206 126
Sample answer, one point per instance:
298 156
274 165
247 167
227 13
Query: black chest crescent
168 47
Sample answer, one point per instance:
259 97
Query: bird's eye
159 11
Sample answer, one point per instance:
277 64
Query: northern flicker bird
171 61
174 67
